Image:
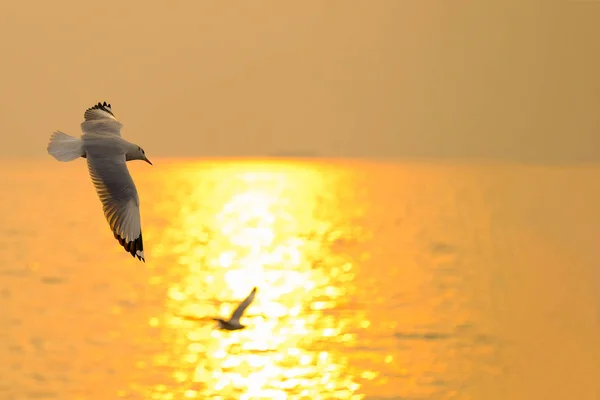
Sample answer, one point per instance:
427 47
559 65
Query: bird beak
148 161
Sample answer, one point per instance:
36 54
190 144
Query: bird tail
64 147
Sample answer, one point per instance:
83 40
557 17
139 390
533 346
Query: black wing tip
102 106
135 247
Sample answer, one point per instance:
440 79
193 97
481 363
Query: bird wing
100 119
237 313
119 198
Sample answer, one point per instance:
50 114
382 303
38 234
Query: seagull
106 153
234 321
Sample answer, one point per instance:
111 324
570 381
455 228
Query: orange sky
514 79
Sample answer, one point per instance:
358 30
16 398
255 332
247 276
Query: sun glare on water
236 226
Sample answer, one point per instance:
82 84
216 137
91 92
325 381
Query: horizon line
323 158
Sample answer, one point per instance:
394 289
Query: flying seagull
234 321
106 153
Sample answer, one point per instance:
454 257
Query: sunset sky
513 80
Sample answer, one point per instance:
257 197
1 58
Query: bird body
229 326
234 321
106 153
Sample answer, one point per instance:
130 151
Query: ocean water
375 281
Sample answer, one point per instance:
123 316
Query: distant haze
512 80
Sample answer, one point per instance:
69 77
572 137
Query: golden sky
458 78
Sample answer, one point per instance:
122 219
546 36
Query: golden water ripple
258 229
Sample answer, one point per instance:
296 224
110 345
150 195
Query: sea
376 280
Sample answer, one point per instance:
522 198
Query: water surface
375 281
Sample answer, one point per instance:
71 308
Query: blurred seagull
107 153
234 321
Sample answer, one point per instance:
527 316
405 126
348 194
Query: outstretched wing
239 311
100 119
120 201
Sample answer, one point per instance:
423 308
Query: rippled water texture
375 281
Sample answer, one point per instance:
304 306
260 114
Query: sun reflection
260 229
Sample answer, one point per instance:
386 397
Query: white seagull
106 153
234 321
